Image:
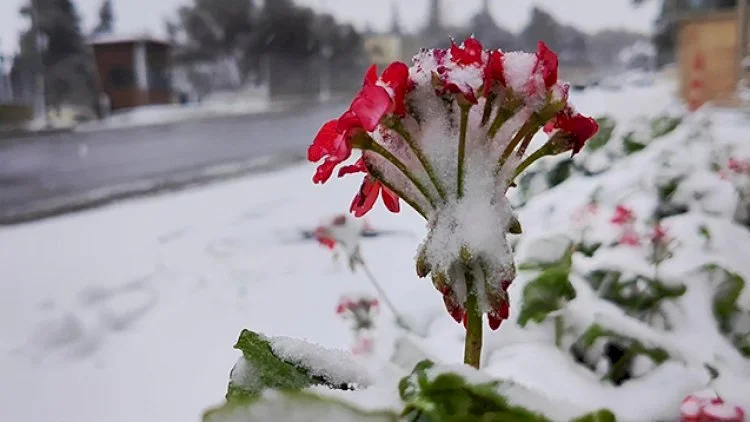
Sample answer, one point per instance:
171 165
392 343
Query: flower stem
462 148
399 319
525 130
377 149
473 340
503 114
541 152
398 126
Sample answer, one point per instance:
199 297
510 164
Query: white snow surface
129 312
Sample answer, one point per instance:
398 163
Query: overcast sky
588 15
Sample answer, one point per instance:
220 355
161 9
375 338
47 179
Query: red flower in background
323 236
629 237
704 408
623 215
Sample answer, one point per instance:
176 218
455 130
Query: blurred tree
66 60
106 19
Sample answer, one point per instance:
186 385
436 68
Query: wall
714 36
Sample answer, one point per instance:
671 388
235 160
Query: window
121 77
158 80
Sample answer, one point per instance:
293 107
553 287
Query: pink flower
623 215
739 166
658 234
704 407
629 237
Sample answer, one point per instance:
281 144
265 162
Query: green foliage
266 370
632 348
449 397
637 295
663 125
548 291
294 406
439 397
728 291
560 172
606 128
631 144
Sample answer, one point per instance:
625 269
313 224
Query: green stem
473 341
541 152
377 149
503 114
462 149
520 136
559 327
401 130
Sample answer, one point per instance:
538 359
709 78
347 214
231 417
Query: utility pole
40 100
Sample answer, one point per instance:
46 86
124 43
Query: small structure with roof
132 70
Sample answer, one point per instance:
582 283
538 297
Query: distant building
704 39
132 71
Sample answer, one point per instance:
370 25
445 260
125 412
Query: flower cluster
448 136
706 406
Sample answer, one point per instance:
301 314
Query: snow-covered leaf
288 364
606 127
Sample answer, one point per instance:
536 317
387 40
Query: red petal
494 321
370 105
396 76
371 76
494 73
323 141
324 171
366 197
547 59
468 54
357 167
390 199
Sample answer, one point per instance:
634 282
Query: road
50 174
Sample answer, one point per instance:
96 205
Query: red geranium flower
577 128
330 143
323 236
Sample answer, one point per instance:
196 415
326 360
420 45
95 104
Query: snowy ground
129 312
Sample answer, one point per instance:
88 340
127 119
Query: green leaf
559 173
449 397
725 299
631 145
545 294
262 369
663 125
293 406
602 137
602 415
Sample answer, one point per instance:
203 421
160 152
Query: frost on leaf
288 364
294 407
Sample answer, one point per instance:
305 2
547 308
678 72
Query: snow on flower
448 136
706 406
